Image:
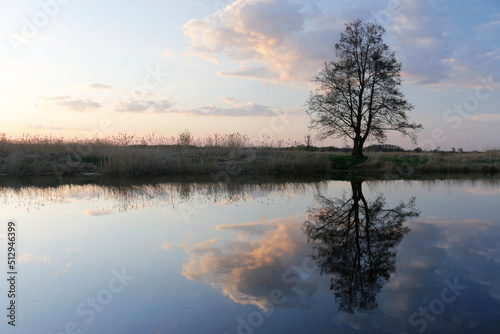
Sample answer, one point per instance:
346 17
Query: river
261 255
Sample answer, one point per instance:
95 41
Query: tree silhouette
355 242
358 95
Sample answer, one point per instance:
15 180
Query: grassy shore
232 154
407 164
128 155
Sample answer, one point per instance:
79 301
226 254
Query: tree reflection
355 242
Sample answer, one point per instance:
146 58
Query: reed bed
227 154
155 155
431 162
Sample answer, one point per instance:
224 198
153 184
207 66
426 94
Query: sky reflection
243 260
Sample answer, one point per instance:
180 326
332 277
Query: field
406 164
130 155
234 154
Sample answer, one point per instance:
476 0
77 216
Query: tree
308 141
355 242
358 95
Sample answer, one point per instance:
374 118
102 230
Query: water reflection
263 258
248 245
114 195
355 242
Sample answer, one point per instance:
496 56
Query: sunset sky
97 68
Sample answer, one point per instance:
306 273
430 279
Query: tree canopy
358 95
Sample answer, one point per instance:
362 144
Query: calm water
253 257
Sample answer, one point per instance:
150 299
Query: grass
345 162
408 164
229 155
232 154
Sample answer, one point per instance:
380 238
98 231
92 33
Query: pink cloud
249 268
268 39
485 118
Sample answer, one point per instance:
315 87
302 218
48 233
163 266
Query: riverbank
408 164
231 155
149 160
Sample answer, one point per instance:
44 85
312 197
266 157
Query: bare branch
359 96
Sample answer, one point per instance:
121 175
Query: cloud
138 93
255 228
246 109
166 246
158 106
64 271
43 127
34 259
438 47
229 100
484 191
422 26
97 213
437 250
237 109
99 86
248 269
485 118
256 73
271 40
479 55
287 42
168 53
72 103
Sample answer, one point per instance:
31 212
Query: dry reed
154 155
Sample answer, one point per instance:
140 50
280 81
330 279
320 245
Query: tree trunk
357 150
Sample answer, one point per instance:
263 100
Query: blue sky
87 68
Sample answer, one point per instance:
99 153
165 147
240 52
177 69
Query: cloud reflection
437 250
249 268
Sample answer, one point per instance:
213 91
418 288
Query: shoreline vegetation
231 154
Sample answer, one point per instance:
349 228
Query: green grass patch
485 161
405 161
345 161
93 159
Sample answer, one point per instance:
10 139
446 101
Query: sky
91 69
